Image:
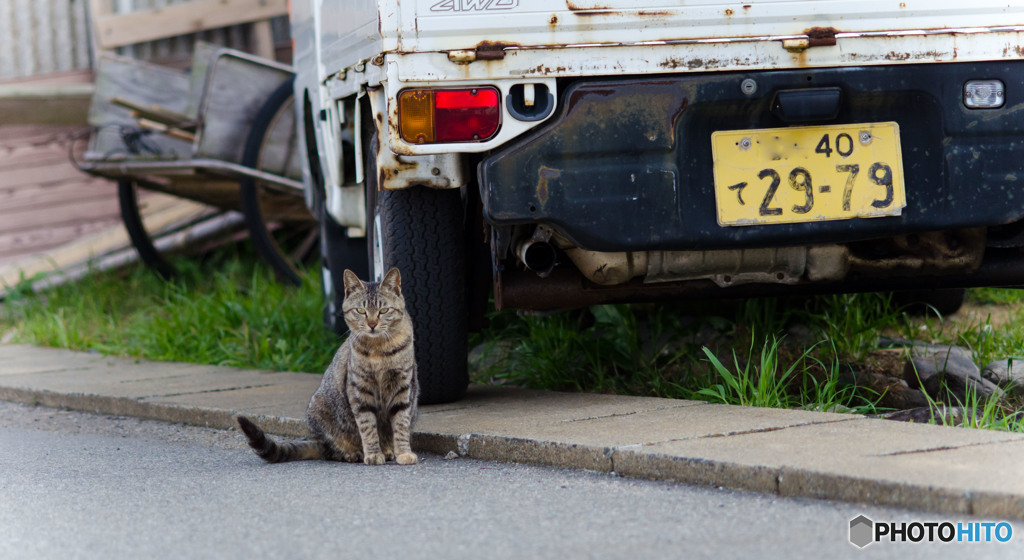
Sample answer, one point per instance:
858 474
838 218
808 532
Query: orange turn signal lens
431 116
416 116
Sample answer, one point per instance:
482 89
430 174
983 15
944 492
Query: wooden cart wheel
281 228
137 233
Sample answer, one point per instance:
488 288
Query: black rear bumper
626 164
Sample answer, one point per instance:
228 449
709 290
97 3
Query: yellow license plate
808 174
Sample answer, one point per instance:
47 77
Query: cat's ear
352 283
393 280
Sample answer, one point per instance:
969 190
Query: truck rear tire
421 231
338 252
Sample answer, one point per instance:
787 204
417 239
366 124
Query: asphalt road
76 485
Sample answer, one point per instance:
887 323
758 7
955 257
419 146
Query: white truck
563 153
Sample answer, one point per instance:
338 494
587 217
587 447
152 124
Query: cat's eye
361 311
384 310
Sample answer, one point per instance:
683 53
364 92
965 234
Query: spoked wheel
176 223
283 231
421 231
143 243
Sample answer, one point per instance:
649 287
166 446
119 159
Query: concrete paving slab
585 435
835 442
866 460
649 427
485 423
77 372
106 382
284 399
21 359
989 474
496 409
495 402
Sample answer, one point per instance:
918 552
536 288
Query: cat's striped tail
277 452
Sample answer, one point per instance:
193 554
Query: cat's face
372 309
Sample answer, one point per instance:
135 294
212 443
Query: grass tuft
808 382
223 312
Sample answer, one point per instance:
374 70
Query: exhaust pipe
537 255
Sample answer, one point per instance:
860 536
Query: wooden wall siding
178 50
44 200
43 36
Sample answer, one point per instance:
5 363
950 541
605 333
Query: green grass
652 350
225 311
806 382
607 349
996 295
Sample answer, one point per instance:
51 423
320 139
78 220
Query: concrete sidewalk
785 452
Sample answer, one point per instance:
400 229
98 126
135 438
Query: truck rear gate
627 164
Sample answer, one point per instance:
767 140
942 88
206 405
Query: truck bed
538 38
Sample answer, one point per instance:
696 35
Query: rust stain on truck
495 45
589 11
545 70
822 36
607 10
544 176
577 8
492 50
690 64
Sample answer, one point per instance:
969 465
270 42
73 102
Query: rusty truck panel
426 25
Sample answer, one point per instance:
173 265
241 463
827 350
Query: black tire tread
338 252
423 237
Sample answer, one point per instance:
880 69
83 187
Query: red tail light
431 116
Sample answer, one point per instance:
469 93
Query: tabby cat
366 403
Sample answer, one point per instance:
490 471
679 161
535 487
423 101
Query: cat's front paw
352 456
374 459
407 459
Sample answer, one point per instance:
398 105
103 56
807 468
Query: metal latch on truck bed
485 50
816 37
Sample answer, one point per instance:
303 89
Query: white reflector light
984 94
